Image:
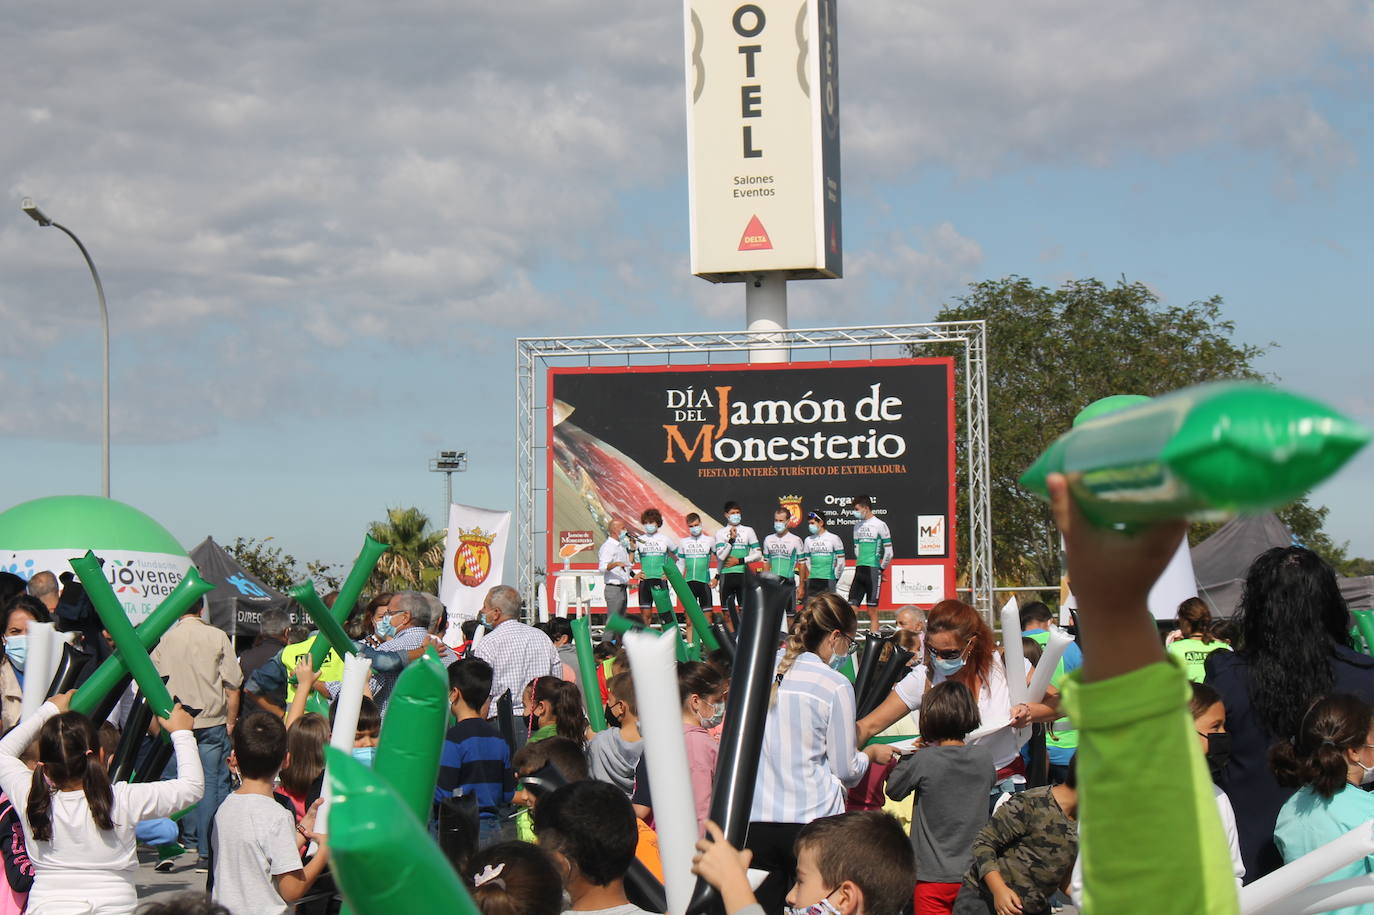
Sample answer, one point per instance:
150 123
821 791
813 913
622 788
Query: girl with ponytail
810 758
556 710
1328 761
78 827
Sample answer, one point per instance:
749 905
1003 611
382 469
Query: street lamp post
448 463
28 206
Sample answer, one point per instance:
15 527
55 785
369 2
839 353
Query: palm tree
416 558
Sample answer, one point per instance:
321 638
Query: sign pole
765 312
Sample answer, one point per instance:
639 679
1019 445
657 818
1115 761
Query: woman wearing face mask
809 758
1332 756
701 688
22 611
960 647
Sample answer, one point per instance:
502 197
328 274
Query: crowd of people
915 806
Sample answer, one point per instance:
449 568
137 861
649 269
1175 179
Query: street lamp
448 463
28 206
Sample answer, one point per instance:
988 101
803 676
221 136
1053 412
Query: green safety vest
330 671
1064 738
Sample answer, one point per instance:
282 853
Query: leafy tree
1051 352
416 558
278 569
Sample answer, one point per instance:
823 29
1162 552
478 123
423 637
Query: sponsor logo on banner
923 584
793 504
472 559
570 543
930 535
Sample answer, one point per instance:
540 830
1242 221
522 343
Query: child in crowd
564 755
475 758
302 778
1209 720
516 878
613 754
555 709
951 781
850 864
1024 853
1196 640
590 830
258 847
79 830
701 689
369 730
1331 758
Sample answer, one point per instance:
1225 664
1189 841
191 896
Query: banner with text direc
474 556
800 436
763 137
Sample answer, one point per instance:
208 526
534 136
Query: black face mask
1218 752
611 720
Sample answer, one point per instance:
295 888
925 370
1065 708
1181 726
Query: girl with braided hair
810 757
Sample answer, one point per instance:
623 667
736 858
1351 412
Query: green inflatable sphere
142 560
1109 404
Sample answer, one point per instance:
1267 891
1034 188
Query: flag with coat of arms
474 559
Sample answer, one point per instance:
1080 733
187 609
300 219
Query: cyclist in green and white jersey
872 553
823 554
736 545
654 549
696 551
783 550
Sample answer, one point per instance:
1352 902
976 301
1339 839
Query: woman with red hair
960 646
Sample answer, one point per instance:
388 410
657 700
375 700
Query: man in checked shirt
517 653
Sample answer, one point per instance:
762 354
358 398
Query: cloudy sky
321 226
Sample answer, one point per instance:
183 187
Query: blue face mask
694 530
779 526
651 528
857 513
732 518
837 660
949 667
384 629
483 620
17 650
365 755
814 528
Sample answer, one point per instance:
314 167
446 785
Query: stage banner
797 436
474 559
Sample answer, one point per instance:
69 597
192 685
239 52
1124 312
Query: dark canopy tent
239 598
1221 561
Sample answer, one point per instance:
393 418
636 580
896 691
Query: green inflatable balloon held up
131 651
382 857
1202 452
112 670
1364 621
348 595
701 627
586 670
412 738
330 628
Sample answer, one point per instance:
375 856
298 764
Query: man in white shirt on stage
613 560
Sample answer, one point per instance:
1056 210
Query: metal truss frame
533 355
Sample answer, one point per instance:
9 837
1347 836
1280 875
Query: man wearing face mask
613 560
736 546
822 555
517 653
783 550
655 548
872 553
695 552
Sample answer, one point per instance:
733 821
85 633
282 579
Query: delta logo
755 237
472 559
